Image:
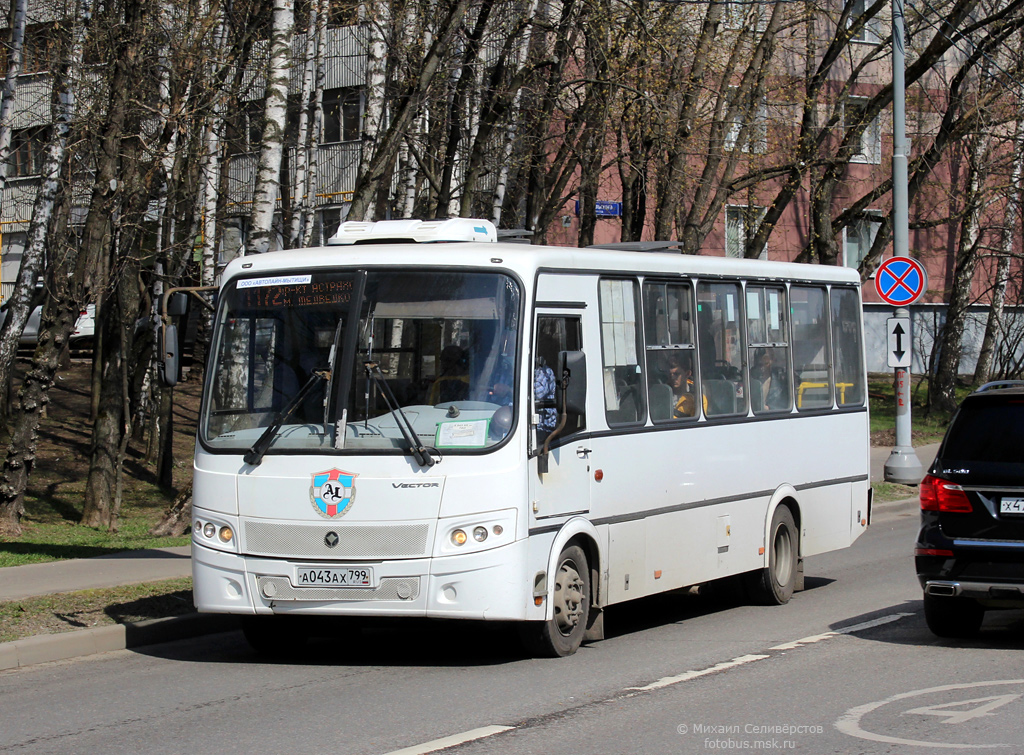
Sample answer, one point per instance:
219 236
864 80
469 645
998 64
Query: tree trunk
23 300
942 388
178 517
268 179
1011 217
10 85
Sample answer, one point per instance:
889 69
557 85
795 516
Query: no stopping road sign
900 281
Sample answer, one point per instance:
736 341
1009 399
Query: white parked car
85 328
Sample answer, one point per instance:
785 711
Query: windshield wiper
419 452
259 448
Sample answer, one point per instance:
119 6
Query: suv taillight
941 495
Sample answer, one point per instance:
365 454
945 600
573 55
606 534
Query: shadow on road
1002 629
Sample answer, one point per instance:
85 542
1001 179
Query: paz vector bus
419 421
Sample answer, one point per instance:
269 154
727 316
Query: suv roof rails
642 246
996 384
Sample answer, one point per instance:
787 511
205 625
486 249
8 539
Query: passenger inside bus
453 382
680 380
768 389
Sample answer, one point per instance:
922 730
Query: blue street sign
900 281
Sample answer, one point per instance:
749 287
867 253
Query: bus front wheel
774 584
563 633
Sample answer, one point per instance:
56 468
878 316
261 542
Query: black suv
970 551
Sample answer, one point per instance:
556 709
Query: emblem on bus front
332 492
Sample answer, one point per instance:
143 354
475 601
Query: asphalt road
848 666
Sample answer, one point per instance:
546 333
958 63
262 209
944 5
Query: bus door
564 488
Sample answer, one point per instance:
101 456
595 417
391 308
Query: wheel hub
569 597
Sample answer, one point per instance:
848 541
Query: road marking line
805 641
849 722
873 623
455 739
669 680
744 659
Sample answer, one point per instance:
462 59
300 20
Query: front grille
355 541
279 589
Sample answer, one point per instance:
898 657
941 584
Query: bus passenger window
621 368
846 347
720 344
768 350
811 357
668 338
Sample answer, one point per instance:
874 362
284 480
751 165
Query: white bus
396 426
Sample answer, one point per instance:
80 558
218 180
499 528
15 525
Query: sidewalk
114 570
133 567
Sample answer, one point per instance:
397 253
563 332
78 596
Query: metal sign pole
902 466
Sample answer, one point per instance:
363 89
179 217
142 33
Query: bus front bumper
493 584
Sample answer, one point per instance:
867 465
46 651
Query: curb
44 648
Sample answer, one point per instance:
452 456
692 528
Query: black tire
956 618
275 636
563 634
774 585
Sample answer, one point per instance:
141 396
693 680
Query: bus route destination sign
900 281
295 291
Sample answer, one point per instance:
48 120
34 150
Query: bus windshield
358 361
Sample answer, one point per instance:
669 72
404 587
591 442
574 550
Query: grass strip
69 611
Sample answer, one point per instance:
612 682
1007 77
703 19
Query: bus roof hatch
415 231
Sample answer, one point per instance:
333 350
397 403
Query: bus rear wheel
563 633
773 585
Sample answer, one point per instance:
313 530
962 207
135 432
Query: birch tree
58 319
275 111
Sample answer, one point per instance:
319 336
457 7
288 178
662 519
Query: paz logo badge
332 492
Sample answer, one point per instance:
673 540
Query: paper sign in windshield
462 434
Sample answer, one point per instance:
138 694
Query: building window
756 139
342 114
245 129
870 148
743 14
343 12
40 50
329 222
860 235
869 32
27 148
741 223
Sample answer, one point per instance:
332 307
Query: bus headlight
469 534
211 533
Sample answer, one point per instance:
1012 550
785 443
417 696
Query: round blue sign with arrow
900 281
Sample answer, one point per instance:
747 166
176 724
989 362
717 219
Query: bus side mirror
177 304
571 381
169 364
